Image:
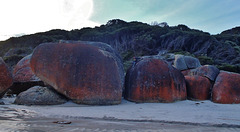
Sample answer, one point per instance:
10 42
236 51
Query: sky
20 17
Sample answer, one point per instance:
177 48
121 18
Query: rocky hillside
138 39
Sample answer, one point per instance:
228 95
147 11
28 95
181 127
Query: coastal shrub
230 68
205 60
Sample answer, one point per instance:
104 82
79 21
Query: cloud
30 16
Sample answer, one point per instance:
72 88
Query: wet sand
124 117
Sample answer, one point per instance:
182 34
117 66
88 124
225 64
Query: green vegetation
140 39
205 60
180 52
228 67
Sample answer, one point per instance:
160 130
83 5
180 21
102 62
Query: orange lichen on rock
23 72
81 72
6 79
198 87
226 89
153 80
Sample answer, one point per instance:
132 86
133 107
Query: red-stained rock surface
23 72
23 76
84 73
153 80
186 72
6 79
198 87
226 89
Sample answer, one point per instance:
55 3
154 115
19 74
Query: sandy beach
128 116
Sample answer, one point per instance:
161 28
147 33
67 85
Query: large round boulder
23 76
82 72
38 95
226 89
154 80
6 79
198 87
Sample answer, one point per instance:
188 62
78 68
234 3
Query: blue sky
212 16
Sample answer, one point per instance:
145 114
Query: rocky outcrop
6 79
23 76
154 80
182 62
38 95
226 89
82 72
208 71
198 87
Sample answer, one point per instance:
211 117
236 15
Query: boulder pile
92 73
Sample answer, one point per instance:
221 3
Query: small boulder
198 87
208 71
154 80
6 78
226 89
192 62
82 72
23 76
182 62
38 95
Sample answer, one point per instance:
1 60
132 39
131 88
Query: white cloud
30 16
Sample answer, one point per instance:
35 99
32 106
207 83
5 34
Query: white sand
205 112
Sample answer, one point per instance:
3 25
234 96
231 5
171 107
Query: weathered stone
187 72
23 72
198 87
38 95
82 72
114 53
179 63
226 89
154 80
208 71
191 62
6 79
182 62
23 76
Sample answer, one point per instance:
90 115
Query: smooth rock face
182 62
209 71
23 72
154 80
226 89
191 62
23 76
6 79
84 73
108 48
38 95
198 87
